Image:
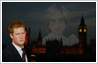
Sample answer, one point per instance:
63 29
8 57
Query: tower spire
82 21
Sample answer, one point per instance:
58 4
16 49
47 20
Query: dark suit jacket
10 54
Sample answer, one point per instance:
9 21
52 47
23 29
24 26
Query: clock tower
82 35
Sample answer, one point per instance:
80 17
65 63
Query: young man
14 52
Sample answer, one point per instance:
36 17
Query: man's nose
21 36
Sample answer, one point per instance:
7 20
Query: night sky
38 16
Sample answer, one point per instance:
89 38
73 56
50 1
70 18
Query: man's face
18 36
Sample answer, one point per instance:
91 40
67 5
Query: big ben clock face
80 30
85 30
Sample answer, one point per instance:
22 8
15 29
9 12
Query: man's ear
11 35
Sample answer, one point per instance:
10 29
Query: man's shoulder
7 48
10 54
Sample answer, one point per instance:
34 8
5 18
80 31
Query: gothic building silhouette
83 34
54 48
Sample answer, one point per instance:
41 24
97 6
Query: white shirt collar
19 49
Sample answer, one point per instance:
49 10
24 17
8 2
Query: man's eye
23 33
17 34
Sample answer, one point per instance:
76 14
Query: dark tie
23 55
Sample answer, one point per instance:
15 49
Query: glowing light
80 30
85 30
